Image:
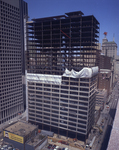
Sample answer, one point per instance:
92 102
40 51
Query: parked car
56 147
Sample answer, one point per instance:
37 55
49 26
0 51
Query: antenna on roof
113 37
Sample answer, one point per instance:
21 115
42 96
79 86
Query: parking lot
54 147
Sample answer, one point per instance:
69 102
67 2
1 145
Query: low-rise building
113 143
97 113
36 143
21 133
101 97
105 80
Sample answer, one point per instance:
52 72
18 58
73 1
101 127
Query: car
64 142
56 148
87 146
53 147
10 148
49 146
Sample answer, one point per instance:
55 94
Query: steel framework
67 41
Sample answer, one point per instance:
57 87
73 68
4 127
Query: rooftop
110 42
56 79
65 16
84 73
44 78
97 108
75 13
114 138
105 70
101 92
20 128
36 140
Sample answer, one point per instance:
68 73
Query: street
105 122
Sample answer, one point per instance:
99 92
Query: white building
110 49
63 104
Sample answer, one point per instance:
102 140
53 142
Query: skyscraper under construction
59 42
61 99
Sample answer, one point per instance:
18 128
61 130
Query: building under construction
61 100
67 41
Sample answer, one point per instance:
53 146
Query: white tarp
56 79
84 73
44 78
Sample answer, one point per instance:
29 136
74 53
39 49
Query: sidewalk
64 146
5 124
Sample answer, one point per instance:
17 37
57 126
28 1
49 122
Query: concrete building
36 143
101 98
105 80
105 62
63 104
110 49
24 136
97 113
117 66
24 47
114 136
11 49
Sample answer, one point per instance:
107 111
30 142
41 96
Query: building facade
114 127
61 104
11 48
105 62
117 66
97 113
110 49
24 46
101 98
105 80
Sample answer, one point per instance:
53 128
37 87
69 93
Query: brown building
104 80
105 62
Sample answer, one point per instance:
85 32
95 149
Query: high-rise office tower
109 48
24 19
60 100
11 50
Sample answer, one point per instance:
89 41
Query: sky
105 11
